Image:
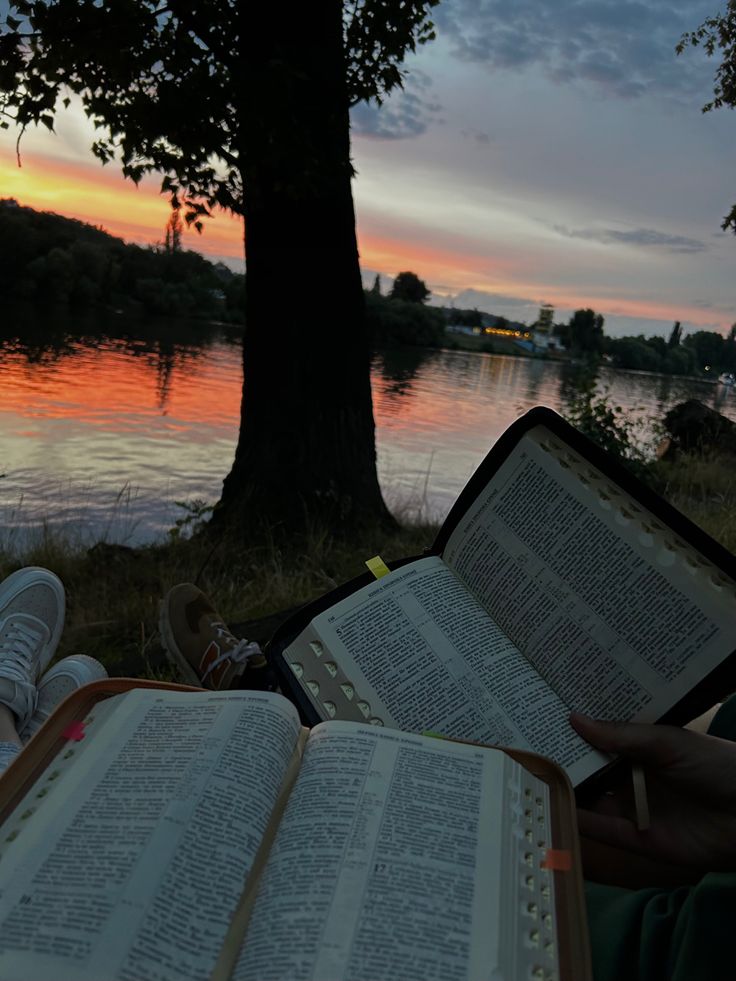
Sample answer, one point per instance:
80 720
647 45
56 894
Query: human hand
691 785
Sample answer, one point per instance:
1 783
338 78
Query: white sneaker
31 620
59 681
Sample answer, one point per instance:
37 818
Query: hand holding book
691 779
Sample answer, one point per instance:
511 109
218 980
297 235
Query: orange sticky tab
75 731
557 859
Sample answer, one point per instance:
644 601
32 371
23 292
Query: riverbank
113 591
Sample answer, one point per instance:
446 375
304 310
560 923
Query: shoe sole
174 655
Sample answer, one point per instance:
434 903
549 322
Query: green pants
680 934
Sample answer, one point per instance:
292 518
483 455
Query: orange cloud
454 263
101 196
463 265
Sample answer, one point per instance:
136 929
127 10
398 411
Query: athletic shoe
31 620
59 681
198 642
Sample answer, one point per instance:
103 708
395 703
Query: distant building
542 337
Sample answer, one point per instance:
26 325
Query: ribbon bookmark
378 567
75 731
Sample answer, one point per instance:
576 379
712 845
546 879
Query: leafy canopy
410 288
718 33
585 331
161 80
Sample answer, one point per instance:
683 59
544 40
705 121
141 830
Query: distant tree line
701 352
401 317
50 260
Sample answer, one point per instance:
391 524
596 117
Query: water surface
104 430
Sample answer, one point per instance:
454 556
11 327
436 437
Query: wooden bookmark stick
641 802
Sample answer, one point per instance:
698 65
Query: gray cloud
406 113
647 237
473 297
520 309
625 47
477 136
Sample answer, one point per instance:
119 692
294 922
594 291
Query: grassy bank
485 343
703 488
113 591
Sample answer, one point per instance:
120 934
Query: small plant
611 428
197 512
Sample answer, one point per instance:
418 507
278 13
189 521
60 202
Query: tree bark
306 449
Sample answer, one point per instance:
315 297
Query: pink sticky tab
75 730
557 859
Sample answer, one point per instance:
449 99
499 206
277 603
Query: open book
182 835
558 583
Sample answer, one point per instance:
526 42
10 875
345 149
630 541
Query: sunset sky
541 152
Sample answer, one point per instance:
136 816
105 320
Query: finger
612 805
650 744
615 831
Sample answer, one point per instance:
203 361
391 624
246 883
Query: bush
608 426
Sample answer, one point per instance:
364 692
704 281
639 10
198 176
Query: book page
403 857
621 618
46 790
422 654
135 864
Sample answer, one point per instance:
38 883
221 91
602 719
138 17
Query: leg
10 744
31 621
8 732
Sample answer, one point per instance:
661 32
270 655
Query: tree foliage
409 288
393 323
162 81
585 332
172 234
709 351
676 335
703 353
46 259
717 35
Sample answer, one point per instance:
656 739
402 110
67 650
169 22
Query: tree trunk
306 450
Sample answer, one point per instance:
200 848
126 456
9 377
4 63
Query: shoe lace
241 652
19 644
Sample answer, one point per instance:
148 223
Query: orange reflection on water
121 387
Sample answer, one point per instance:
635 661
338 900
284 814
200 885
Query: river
102 432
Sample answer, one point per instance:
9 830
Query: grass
113 591
703 488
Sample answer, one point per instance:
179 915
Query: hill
47 259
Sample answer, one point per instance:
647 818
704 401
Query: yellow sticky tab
432 734
378 567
